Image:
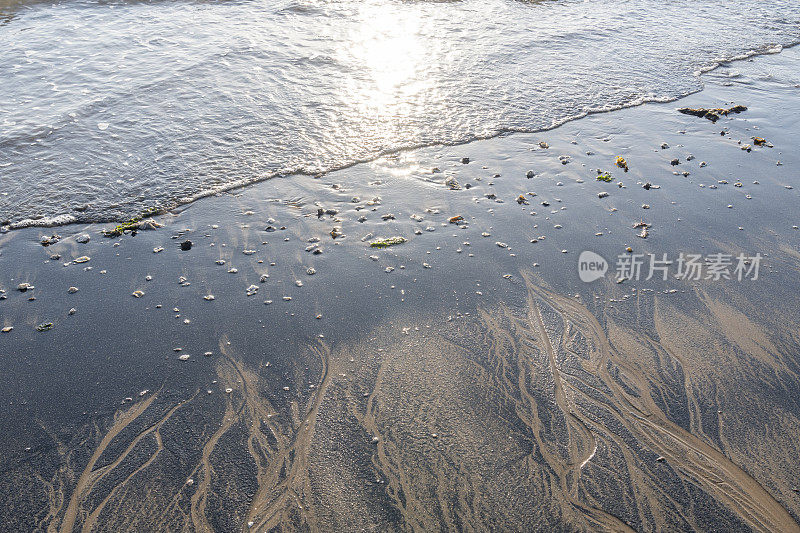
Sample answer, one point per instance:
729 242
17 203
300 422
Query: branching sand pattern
540 417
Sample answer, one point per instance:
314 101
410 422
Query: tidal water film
399 266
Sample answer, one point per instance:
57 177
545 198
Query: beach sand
466 379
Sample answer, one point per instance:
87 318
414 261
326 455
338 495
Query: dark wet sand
471 386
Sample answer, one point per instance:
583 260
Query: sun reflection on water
392 63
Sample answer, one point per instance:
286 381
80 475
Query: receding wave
153 106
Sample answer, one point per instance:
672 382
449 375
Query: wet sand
463 380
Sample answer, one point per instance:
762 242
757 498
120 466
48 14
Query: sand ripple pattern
546 416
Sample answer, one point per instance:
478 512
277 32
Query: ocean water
111 107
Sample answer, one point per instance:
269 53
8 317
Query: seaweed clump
604 176
135 224
621 163
385 243
711 114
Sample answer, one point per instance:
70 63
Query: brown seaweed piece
711 114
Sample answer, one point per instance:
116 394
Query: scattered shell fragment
137 294
82 259
452 183
47 241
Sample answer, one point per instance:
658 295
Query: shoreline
466 376
66 219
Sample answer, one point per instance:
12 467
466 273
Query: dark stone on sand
320 213
186 245
675 162
269 229
465 160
